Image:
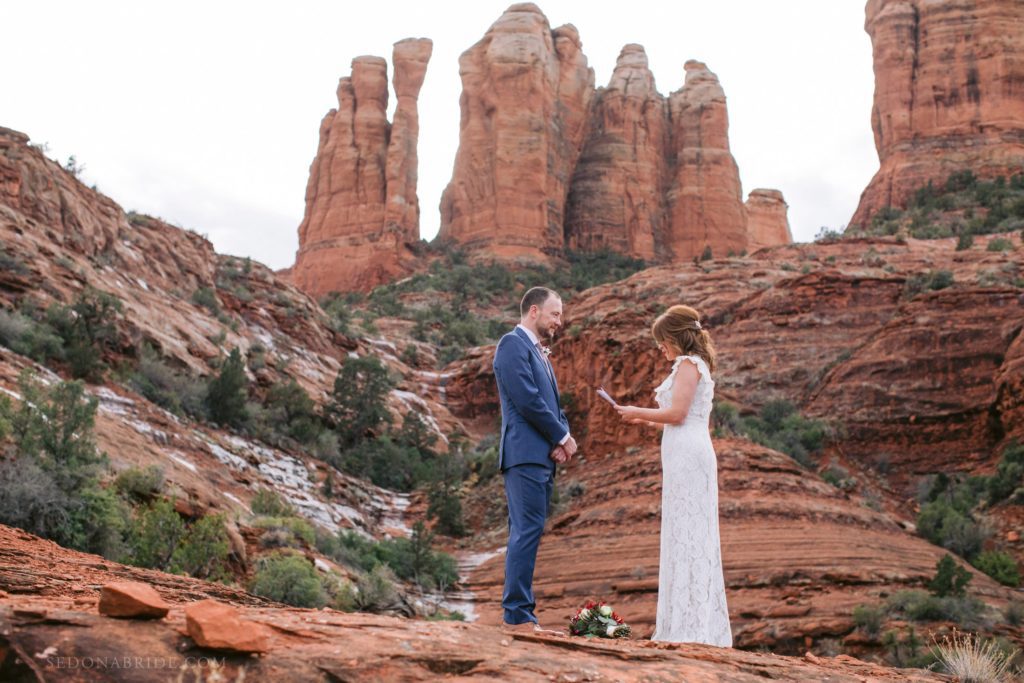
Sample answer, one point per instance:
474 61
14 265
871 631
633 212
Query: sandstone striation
524 114
362 212
949 94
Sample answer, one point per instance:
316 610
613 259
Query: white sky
207 113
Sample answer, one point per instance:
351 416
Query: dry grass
974 660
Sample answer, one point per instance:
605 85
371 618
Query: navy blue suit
532 424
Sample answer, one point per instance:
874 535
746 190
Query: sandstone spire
526 91
617 198
706 204
361 206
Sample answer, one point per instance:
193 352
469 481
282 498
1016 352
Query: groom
534 438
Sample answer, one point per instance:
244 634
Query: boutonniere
546 350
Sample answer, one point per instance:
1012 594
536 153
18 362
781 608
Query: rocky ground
51 630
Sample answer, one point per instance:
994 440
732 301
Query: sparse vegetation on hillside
950 507
463 314
778 425
963 205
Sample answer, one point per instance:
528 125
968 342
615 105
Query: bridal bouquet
597 620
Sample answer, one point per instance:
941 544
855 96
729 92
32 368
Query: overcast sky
207 113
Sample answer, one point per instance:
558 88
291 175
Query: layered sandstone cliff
625 168
949 94
525 99
362 212
767 219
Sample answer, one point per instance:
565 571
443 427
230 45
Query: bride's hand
628 413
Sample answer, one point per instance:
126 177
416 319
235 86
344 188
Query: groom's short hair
536 296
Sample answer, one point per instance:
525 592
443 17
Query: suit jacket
532 423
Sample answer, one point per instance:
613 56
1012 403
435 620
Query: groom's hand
558 455
570 447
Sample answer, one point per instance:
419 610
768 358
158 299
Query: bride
691 587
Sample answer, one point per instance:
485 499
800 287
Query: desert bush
207 298
88 331
154 534
950 578
288 578
917 605
269 503
941 523
171 389
1013 613
203 552
227 392
869 618
1000 566
1009 475
376 589
973 659
999 244
358 407
290 413
779 426
931 280
287 531
412 559
964 242
140 484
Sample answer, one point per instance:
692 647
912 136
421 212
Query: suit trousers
528 489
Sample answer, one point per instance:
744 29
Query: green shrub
88 330
358 405
1009 474
376 590
289 413
931 280
444 504
203 552
383 462
207 298
140 484
999 244
290 579
269 503
905 650
944 525
869 618
950 578
918 605
50 476
226 393
173 390
779 426
286 531
154 534
965 242
1000 566
412 559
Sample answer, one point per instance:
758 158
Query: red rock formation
361 207
132 599
526 93
617 197
949 94
49 630
705 200
767 220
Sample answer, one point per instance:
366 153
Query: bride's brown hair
680 326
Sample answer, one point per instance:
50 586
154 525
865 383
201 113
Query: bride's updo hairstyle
680 326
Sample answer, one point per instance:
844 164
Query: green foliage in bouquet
598 620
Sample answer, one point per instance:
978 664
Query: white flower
584 613
546 350
605 611
611 630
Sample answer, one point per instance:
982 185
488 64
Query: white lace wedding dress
691 587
